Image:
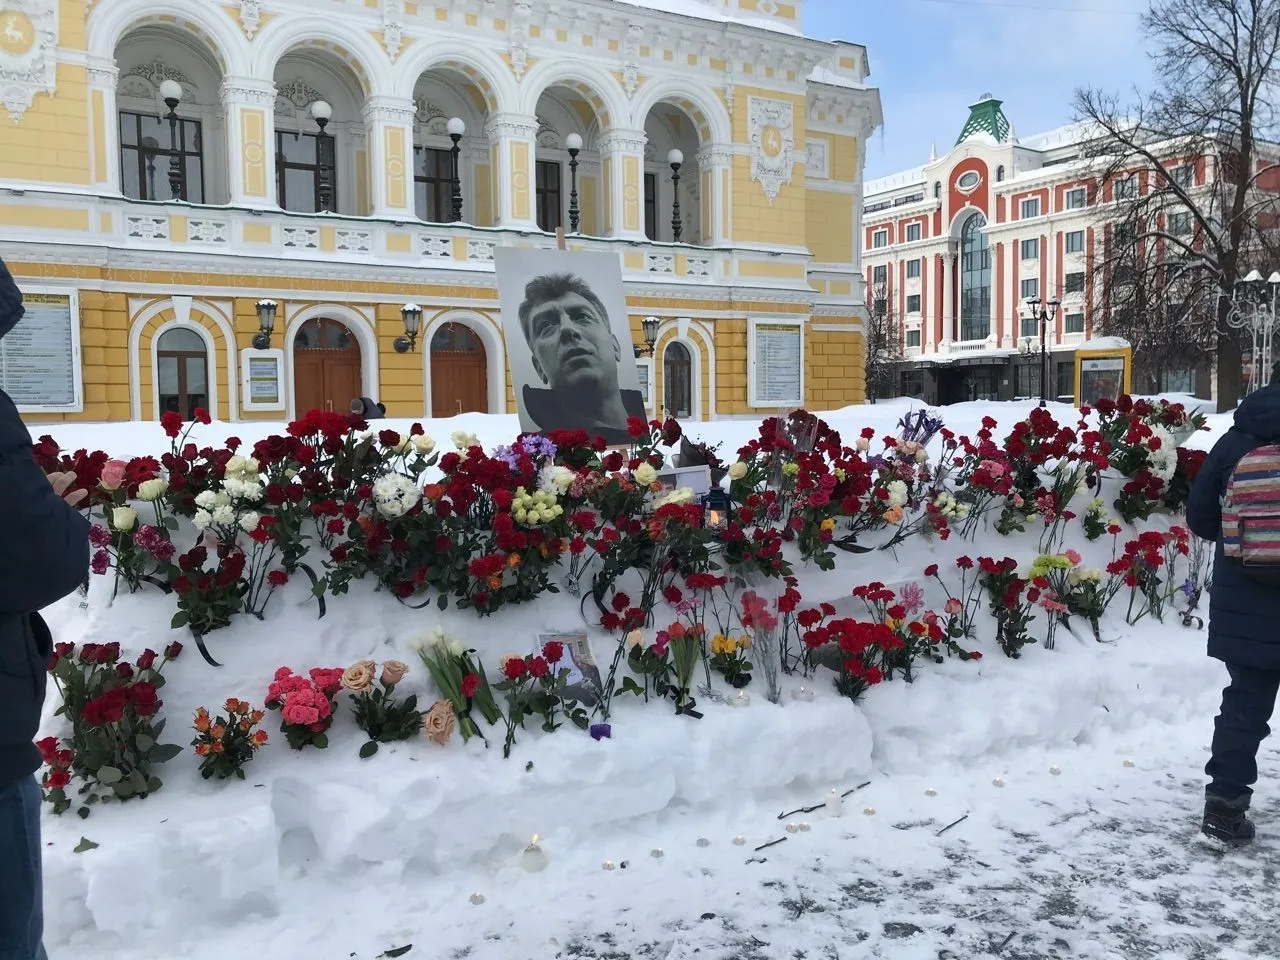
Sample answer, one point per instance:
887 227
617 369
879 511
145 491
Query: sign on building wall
263 387
776 363
40 357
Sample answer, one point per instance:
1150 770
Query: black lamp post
321 112
411 314
1044 312
171 92
650 327
456 129
676 159
573 143
266 324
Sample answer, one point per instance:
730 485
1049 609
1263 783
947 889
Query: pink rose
1073 556
113 474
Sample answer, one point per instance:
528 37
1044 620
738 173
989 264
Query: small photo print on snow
564 319
584 683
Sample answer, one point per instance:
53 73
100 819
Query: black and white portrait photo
564 318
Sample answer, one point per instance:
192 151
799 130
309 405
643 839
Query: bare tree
884 346
1212 110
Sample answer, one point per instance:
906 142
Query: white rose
206 500
461 439
737 471
152 490
124 519
202 519
645 474
423 444
400 447
249 521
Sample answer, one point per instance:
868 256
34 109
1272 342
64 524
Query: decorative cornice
248 92
617 140
518 126
384 109
715 155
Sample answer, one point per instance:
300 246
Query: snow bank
201 855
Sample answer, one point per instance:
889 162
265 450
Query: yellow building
168 164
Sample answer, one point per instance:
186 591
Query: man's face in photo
573 348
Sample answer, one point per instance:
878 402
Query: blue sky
932 58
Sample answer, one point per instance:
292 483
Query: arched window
975 280
937 189
677 380
999 173
182 372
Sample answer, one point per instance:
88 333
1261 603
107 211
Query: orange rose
393 672
358 677
433 491
440 722
513 560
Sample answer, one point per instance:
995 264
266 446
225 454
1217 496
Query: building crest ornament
392 27
28 52
250 17
521 15
631 58
770 126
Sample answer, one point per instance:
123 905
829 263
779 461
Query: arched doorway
182 372
677 381
326 366
459 372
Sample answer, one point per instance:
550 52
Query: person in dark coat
1244 629
367 409
44 556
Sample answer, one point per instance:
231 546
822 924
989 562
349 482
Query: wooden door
326 367
677 381
459 372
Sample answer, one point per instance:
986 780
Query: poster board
568 337
1102 372
263 384
775 362
40 357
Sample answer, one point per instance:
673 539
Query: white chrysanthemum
423 444
221 499
224 516
1164 460
737 470
680 495
897 493
249 521
206 500
962 510
395 495
555 479
201 520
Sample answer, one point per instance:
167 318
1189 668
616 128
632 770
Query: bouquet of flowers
378 712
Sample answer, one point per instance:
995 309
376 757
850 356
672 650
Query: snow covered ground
1077 772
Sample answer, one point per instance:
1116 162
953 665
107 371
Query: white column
513 145
250 108
715 165
104 127
389 127
949 332
622 152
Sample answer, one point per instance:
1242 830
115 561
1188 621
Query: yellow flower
743 642
828 524
893 515
893 624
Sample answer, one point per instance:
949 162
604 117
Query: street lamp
456 129
171 93
573 143
676 159
266 323
1254 304
321 112
650 327
411 314
1044 312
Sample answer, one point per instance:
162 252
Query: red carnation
277 578
470 684
931 570
202 416
56 779
171 423
514 668
636 427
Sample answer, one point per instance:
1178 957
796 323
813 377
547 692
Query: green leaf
84 845
368 750
180 619
399 951
164 752
320 741
124 790
144 742
83 813
158 729
171 522
109 775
